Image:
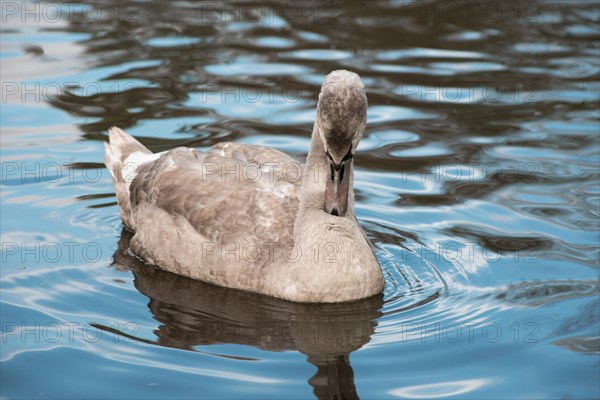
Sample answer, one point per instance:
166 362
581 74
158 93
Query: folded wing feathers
177 181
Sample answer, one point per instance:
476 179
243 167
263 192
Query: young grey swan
250 217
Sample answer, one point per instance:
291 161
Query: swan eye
332 171
342 173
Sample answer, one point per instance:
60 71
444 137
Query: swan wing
234 193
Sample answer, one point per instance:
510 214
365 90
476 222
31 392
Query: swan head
341 121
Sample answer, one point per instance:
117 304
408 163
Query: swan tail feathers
116 153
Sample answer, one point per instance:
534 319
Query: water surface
477 181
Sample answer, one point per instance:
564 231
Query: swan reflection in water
192 313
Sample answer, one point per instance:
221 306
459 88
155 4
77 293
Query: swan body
251 217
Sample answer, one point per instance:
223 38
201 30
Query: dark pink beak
337 187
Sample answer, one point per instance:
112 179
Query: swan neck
316 152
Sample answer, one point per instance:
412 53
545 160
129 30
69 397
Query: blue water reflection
477 181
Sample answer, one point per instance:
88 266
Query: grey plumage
251 217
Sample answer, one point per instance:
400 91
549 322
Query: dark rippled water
477 180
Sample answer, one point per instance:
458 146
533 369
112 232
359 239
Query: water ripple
476 180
